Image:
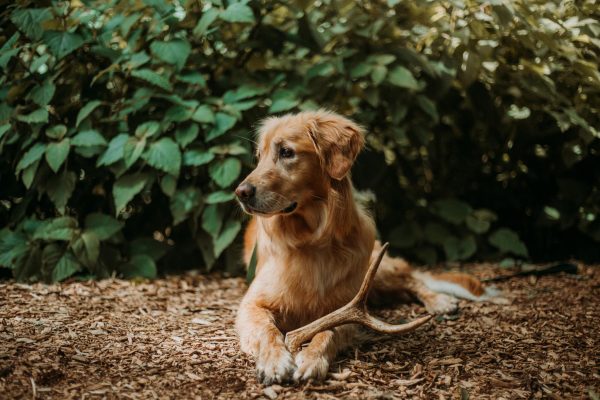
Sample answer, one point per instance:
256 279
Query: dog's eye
286 152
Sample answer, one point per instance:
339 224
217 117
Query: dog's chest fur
307 283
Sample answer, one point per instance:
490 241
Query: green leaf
168 184
219 197
187 135
88 138
429 107
4 128
225 172
227 236
378 74
193 78
237 12
402 77
104 226
57 153
62 43
436 233
460 249
147 129
50 256
32 155
153 78
29 174
197 157
61 228
87 248
56 132
223 123
184 202
66 266
361 70
138 59
208 17
212 220
87 110
205 244
234 149
140 266
27 267
283 100
30 20
452 210
149 247
114 152
508 241
43 94
164 154
405 235
133 149
35 117
204 114
325 69
173 52
477 225
8 44
244 92
60 189
125 188
13 245
383 59
178 113
7 52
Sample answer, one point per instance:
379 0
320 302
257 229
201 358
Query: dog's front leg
260 337
313 360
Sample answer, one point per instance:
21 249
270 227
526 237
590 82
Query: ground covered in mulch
174 338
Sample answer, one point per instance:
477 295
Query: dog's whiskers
248 139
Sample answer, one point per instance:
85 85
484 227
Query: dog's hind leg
396 281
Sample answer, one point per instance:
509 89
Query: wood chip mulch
173 338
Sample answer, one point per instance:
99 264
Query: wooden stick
353 312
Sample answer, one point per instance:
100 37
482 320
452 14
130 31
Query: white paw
274 364
442 304
310 366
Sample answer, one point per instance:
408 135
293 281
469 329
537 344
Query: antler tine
353 312
365 287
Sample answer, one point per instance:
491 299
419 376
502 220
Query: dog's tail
459 285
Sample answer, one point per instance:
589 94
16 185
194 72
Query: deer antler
353 312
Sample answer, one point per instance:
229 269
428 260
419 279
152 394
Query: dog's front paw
274 364
442 304
310 366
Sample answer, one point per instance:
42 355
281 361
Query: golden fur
314 244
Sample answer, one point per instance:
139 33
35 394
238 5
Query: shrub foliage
124 125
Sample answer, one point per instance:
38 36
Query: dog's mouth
255 210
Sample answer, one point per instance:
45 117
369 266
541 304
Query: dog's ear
337 141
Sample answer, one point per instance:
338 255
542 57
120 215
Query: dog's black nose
245 191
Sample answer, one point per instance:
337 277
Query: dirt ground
174 338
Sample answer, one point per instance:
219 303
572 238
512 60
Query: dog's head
298 158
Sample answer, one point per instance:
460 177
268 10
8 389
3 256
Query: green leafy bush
124 125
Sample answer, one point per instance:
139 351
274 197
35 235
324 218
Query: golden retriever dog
314 243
